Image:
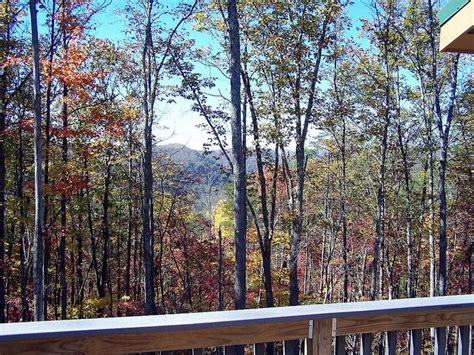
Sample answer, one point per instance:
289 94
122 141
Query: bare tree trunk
105 231
469 254
408 228
428 121
297 225
240 210
220 295
301 132
72 259
4 50
239 169
80 270
3 91
444 133
62 243
362 274
90 225
379 219
265 239
342 148
46 156
149 95
150 307
344 215
380 213
2 209
25 311
130 212
118 267
38 293
296 203
431 226
151 70
443 243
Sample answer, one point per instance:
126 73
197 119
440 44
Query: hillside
208 166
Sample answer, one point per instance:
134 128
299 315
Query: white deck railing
322 326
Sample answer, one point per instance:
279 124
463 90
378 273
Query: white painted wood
209 320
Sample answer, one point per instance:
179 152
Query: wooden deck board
205 320
200 330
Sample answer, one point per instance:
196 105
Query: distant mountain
200 161
209 168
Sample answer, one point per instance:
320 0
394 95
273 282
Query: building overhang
457 27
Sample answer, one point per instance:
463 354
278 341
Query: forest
337 165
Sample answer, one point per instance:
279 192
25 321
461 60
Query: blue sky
177 122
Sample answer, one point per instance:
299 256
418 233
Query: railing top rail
206 320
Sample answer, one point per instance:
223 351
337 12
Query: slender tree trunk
345 291
469 254
130 213
265 240
118 268
128 260
46 157
80 271
62 242
431 238
3 90
238 160
408 227
345 296
296 203
2 215
105 231
443 243
150 307
220 295
38 293
301 131
73 276
379 219
444 135
444 132
56 283
25 311
240 211
380 213
148 102
297 225
4 50
90 224
137 265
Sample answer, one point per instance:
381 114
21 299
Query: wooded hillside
339 158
